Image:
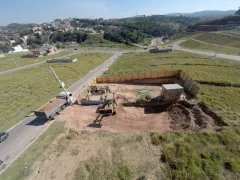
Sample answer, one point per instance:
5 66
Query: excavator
108 107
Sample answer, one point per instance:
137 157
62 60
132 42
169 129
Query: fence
138 76
165 77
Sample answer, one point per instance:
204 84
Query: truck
54 107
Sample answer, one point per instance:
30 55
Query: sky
32 11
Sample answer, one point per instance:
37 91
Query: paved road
21 136
220 55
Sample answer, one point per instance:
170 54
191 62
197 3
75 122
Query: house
18 49
12 41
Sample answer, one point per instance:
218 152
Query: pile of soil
190 117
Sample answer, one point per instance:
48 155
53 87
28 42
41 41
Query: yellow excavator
108 107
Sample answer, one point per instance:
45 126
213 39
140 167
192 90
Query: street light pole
61 84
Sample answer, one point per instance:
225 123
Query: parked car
3 136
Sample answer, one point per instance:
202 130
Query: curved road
219 55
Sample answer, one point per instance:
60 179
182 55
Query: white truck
54 107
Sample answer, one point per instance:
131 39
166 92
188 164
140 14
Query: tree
238 12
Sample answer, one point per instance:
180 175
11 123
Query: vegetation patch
201 155
26 90
11 61
192 44
220 39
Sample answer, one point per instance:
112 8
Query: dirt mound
190 117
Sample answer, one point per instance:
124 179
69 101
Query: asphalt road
219 55
23 134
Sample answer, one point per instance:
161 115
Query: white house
12 41
18 49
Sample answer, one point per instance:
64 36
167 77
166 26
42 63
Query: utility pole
61 84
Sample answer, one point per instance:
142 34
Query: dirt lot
137 119
99 155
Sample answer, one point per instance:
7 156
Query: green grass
200 155
181 36
225 101
98 169
192 44
6 63
24 91
146 42
22 168
233 32
220 39
199 67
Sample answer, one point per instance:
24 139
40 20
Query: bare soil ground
127 119
138 119
98 155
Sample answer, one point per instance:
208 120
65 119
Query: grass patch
181 36
26 90
192 44
201 155
146 42
199 67
98 169
225 101
220 39
22 167
6 63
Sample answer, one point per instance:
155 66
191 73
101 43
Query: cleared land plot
132 117
7 63
199 45
24 91
220 39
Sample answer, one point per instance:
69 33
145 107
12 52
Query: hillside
228 22
207 13
227 42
